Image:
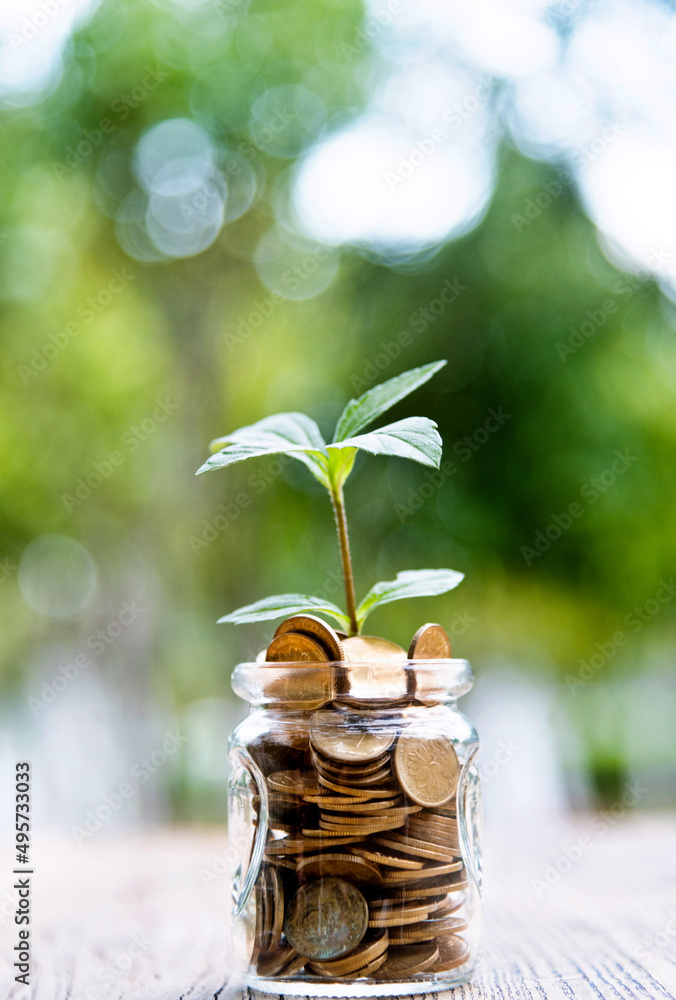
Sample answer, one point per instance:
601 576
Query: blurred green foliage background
101 436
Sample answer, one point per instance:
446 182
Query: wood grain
144 917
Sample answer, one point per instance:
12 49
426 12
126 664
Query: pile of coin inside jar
362 875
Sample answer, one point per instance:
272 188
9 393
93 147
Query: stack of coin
363 874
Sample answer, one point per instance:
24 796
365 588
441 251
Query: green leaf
368 407
409 583
281 605
284 433
341 461
416 438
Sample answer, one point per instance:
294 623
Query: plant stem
344 542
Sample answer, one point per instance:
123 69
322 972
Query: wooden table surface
583 908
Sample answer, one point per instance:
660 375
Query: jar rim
386 683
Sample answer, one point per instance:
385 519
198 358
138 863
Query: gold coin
342 865
279 861
363 827
430 643
448 906
453 951
271 963
277 903
350 770
367 952
418 848
373 684
432 872
403 963
371 648
294 966
338 738
394 919
293 647
428 929
389 860
426 764
343 819
370 807
446 886
293 782
326 919
300 845
368 970
334 801
365 792
449 811
317 629
383 774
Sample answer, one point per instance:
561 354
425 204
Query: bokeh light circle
57 576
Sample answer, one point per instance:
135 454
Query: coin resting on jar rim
317 629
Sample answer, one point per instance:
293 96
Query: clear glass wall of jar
354 828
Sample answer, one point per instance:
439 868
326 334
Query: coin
317 629
340 741
426 764
428 929
294 966
390 860
373 684
365 792
271 963
445 885
371 648
430 643
431 872
363 827
293 647
370 807
342 865
368 970
402 963
353 770
301 845
295 782
448 906
367 952
453 951
335 801
397 918
419 848
326 919
277 903
279 861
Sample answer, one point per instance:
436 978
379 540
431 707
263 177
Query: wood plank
581 909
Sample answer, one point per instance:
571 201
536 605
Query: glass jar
354 828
